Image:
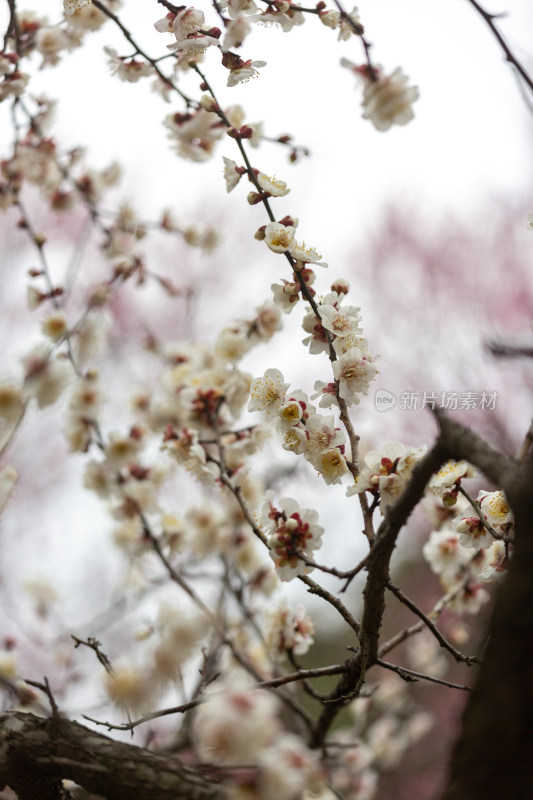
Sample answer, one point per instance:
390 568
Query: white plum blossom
354 373
387 471
232 174
472 532
236 8
71 6
274 187
279 237
445 554
286 768
388 101
304 254
286 295
446 481
497 564
293 531
288 628
242 74
267 394
233 726
346 29
236 32
496 509
343 321
128 69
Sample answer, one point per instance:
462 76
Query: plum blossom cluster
240 725
304 431
473 547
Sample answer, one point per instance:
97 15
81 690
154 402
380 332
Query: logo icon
384 400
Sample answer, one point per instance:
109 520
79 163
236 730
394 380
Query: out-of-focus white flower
445 554
129 687
353 28
11 402
236 32
267 394
286 768
45 377
232 174
128 69
388 101
179 636
54 325
530 222
287 628
235 725
497 563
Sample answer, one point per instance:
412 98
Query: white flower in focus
242 74
294 531
496 509
445 482
235 725
267 394
342 321
331 465
388 100
472 532
279 237
354 373
387 471
286 295
305 255
274 187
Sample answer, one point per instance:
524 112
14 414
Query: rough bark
37 753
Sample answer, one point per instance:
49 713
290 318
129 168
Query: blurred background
428 222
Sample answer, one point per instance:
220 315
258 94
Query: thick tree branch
36 754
